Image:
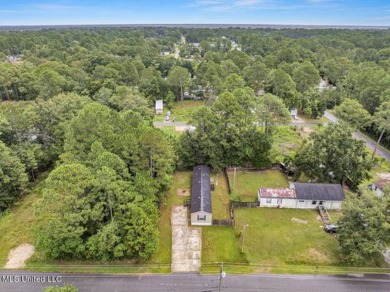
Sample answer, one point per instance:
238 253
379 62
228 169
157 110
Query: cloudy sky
321 12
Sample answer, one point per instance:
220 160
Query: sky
299 12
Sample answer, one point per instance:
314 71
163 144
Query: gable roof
200 195
285 193
318 191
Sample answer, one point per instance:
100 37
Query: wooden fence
223 222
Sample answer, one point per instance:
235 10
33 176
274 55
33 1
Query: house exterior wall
298 204
277 202
197 218
308 204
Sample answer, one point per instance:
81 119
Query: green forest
79 103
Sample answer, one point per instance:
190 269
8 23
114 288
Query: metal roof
318 191
201 195
285 193
382 183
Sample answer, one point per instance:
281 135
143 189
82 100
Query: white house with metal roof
303 196
201 211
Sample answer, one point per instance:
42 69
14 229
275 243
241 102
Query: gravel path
18 256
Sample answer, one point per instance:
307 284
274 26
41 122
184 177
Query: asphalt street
370 144
27 282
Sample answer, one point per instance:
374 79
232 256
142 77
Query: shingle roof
201 196
317 191
277 193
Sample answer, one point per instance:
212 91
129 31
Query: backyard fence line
223 222
245 204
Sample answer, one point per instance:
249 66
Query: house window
269 200
279 201
301 201
314 202
321 203
201 218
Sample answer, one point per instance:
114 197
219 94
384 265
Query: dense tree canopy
101 202
364 227
225 134
333 155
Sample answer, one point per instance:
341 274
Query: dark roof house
201 196
319 191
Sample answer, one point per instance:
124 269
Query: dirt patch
183 192
186 243
18 256
384 175
299 220
319 219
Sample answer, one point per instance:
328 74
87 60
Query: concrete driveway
186 242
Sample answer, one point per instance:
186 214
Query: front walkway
186 242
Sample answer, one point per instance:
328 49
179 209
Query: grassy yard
16 225
220 244
181 111
274 239
220 197
248 182
286 140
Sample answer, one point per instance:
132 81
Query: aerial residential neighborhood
194 157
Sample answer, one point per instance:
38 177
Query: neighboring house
303 196
379 185
277 197
159 107
312 195
201 212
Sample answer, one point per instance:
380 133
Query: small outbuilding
312 195
201 211
159 107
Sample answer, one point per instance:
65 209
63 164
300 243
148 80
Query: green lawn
220 197
286 140
220 244
248 182
272 239
16 225
181 111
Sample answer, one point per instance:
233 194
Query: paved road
370 144
201 283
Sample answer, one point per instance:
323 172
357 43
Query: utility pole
222 275
243 237
234 178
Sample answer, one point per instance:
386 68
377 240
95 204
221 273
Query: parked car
331 228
